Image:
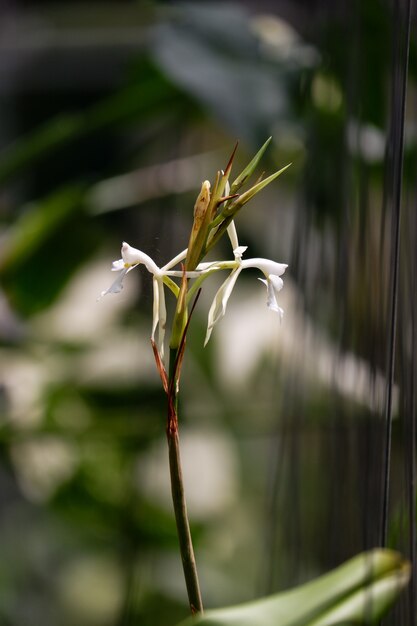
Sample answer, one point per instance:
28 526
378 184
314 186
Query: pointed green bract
249 169
358 592
222 221
245 197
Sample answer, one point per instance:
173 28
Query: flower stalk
175 469
181 517
214 212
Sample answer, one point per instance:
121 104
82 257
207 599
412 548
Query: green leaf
358 592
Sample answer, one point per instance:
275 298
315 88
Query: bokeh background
111 115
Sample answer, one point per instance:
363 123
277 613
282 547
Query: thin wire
396 150
410 410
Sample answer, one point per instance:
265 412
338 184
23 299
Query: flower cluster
214 212
163 277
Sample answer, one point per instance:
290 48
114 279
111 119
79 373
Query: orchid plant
215 211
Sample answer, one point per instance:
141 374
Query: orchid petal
159 314
266 266
239 251
277 282
231 231
271 301
155 314
179 274
116 286
133 256
117 266
162 318
218 307
177 259
203 267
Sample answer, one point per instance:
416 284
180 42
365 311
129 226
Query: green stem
179 502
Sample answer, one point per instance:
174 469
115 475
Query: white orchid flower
161 277
271 270
131 258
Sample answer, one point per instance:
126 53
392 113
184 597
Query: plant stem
180 505
183 526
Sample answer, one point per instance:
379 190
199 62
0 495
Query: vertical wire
412 470
396 149
410 414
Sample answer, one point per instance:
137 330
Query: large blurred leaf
36 224
358 592
210 51
44 248
150 95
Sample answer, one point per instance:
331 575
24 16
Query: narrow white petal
211 265
178 274
155 315
116 286
218 307
162 318
177 259
231 231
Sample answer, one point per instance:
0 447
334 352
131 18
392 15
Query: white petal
218 307
162 319
117 266
271 301
178 274
117 286
155 317
266 266
239 251
231 231
202 267
133 256
159 314
277 282
173 262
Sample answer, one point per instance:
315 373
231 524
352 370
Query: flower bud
202 201
200 226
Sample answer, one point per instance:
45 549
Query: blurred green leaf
212 53
150 95
36 225
44 248
358 592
